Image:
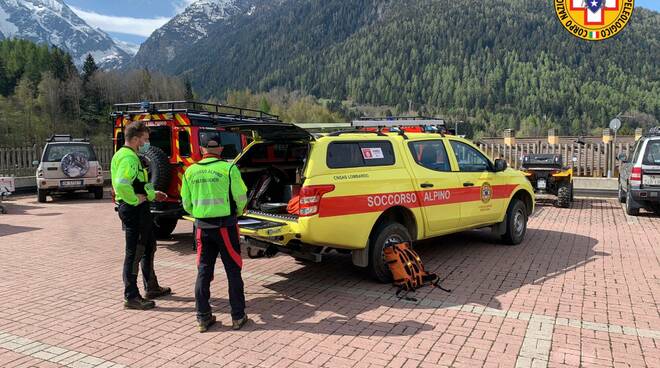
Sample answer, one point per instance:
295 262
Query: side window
469 159
636 150
360 154
160 137
652 154
184 143
120 141
431 155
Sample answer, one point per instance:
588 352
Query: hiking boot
157 293
237 324
205 324
139 303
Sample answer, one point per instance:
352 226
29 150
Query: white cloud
181 5
126 25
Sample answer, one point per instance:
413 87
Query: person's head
137 135
212 147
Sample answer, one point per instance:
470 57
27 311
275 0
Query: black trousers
225 242
137 222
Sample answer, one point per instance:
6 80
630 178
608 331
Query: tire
98 193
564 196
516 223
621 195
631 205
159 168
41 195
384 235
164 226
656 209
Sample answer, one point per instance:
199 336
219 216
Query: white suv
68 165
639 181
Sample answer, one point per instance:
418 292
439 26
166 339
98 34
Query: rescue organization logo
594 20
486 193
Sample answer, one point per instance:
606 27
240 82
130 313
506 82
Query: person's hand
160 196
141 198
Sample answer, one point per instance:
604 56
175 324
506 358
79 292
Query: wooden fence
593 159
17 161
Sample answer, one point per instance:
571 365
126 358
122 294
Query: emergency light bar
391 122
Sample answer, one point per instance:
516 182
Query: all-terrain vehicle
177 130
548 175
68 165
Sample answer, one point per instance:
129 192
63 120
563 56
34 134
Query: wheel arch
401 215
524 196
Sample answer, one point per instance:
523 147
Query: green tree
89 68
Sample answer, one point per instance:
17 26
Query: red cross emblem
594 10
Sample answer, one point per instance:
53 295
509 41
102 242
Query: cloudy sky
134 20
128 20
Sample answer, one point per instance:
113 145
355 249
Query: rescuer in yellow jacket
133 192
213 192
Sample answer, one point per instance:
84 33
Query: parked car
177 130
639 179
68 165
359 191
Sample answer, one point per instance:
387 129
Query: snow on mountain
54 23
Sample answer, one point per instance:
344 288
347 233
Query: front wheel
516 223
385 235
164 226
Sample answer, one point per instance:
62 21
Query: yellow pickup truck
360 191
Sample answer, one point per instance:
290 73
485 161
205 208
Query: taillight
310 198
636 176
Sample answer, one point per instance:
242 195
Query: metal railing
17 161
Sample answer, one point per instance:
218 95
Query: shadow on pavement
6 230
331 297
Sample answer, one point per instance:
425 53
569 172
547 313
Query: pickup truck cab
360 192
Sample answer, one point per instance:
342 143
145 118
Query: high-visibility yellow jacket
129 178
205 189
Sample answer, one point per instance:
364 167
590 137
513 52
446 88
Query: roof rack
397 121
205 109
654 132
65 138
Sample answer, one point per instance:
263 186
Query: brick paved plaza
582 290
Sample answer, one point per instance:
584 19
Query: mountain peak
54 23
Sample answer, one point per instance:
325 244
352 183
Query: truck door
434 183
478 183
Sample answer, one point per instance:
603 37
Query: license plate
541 184
71 183
653 180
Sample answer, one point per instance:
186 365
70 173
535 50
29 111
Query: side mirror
622 157
35 163
500 165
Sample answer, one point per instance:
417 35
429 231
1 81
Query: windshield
56 151
229 140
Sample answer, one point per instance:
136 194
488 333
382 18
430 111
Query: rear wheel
622 195
98 193
41 195
516 223
564 196
164 226
631 206
385 235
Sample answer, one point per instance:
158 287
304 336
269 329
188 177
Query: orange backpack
408 271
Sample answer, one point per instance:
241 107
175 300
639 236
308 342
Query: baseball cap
212 143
